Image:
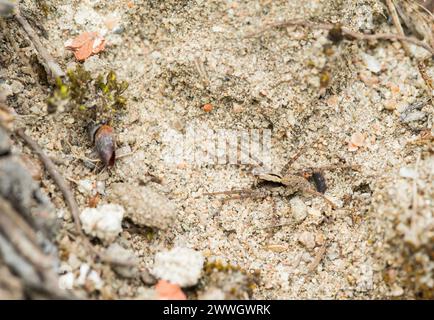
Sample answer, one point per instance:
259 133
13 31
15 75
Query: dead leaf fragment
85 45
168 291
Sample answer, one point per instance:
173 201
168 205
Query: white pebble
307 239
406 172
371 63
85 186
298 209
66 281
103 222
182 266
84 270
96 279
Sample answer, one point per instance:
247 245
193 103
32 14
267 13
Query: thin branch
55 175
51 66
345 32
397 24
69 197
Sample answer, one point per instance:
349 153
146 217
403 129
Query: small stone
237 108
145 294
118 253
85 186
143 206
95 279
307 239
368 79
390 105
298 209
17 87
207 107
73 261
94 64
5 90
371 63
84 271
147 278
319 239
217 29
103 222
100 187
87 15
182 266
397 291
66 281
5 142
358 139
413 116
406 172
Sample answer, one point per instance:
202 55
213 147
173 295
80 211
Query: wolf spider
288 182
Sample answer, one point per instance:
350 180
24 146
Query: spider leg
295 157
246 196
319 194
331 167
239 191
292 160
239 194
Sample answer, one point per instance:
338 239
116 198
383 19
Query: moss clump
99 99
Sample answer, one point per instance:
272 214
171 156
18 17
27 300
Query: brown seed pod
105 144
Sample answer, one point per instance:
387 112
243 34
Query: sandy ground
179 55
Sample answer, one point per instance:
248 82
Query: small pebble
182 266
397 291
371 63
212 293
406 172
103 222
237 108
207 107
390 105
118 253
85 186
307 239
298 209
66 281
413 116
84 271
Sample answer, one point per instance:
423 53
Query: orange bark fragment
168 291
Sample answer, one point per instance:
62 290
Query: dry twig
51 66
397 24
69 197
55 175
346 32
